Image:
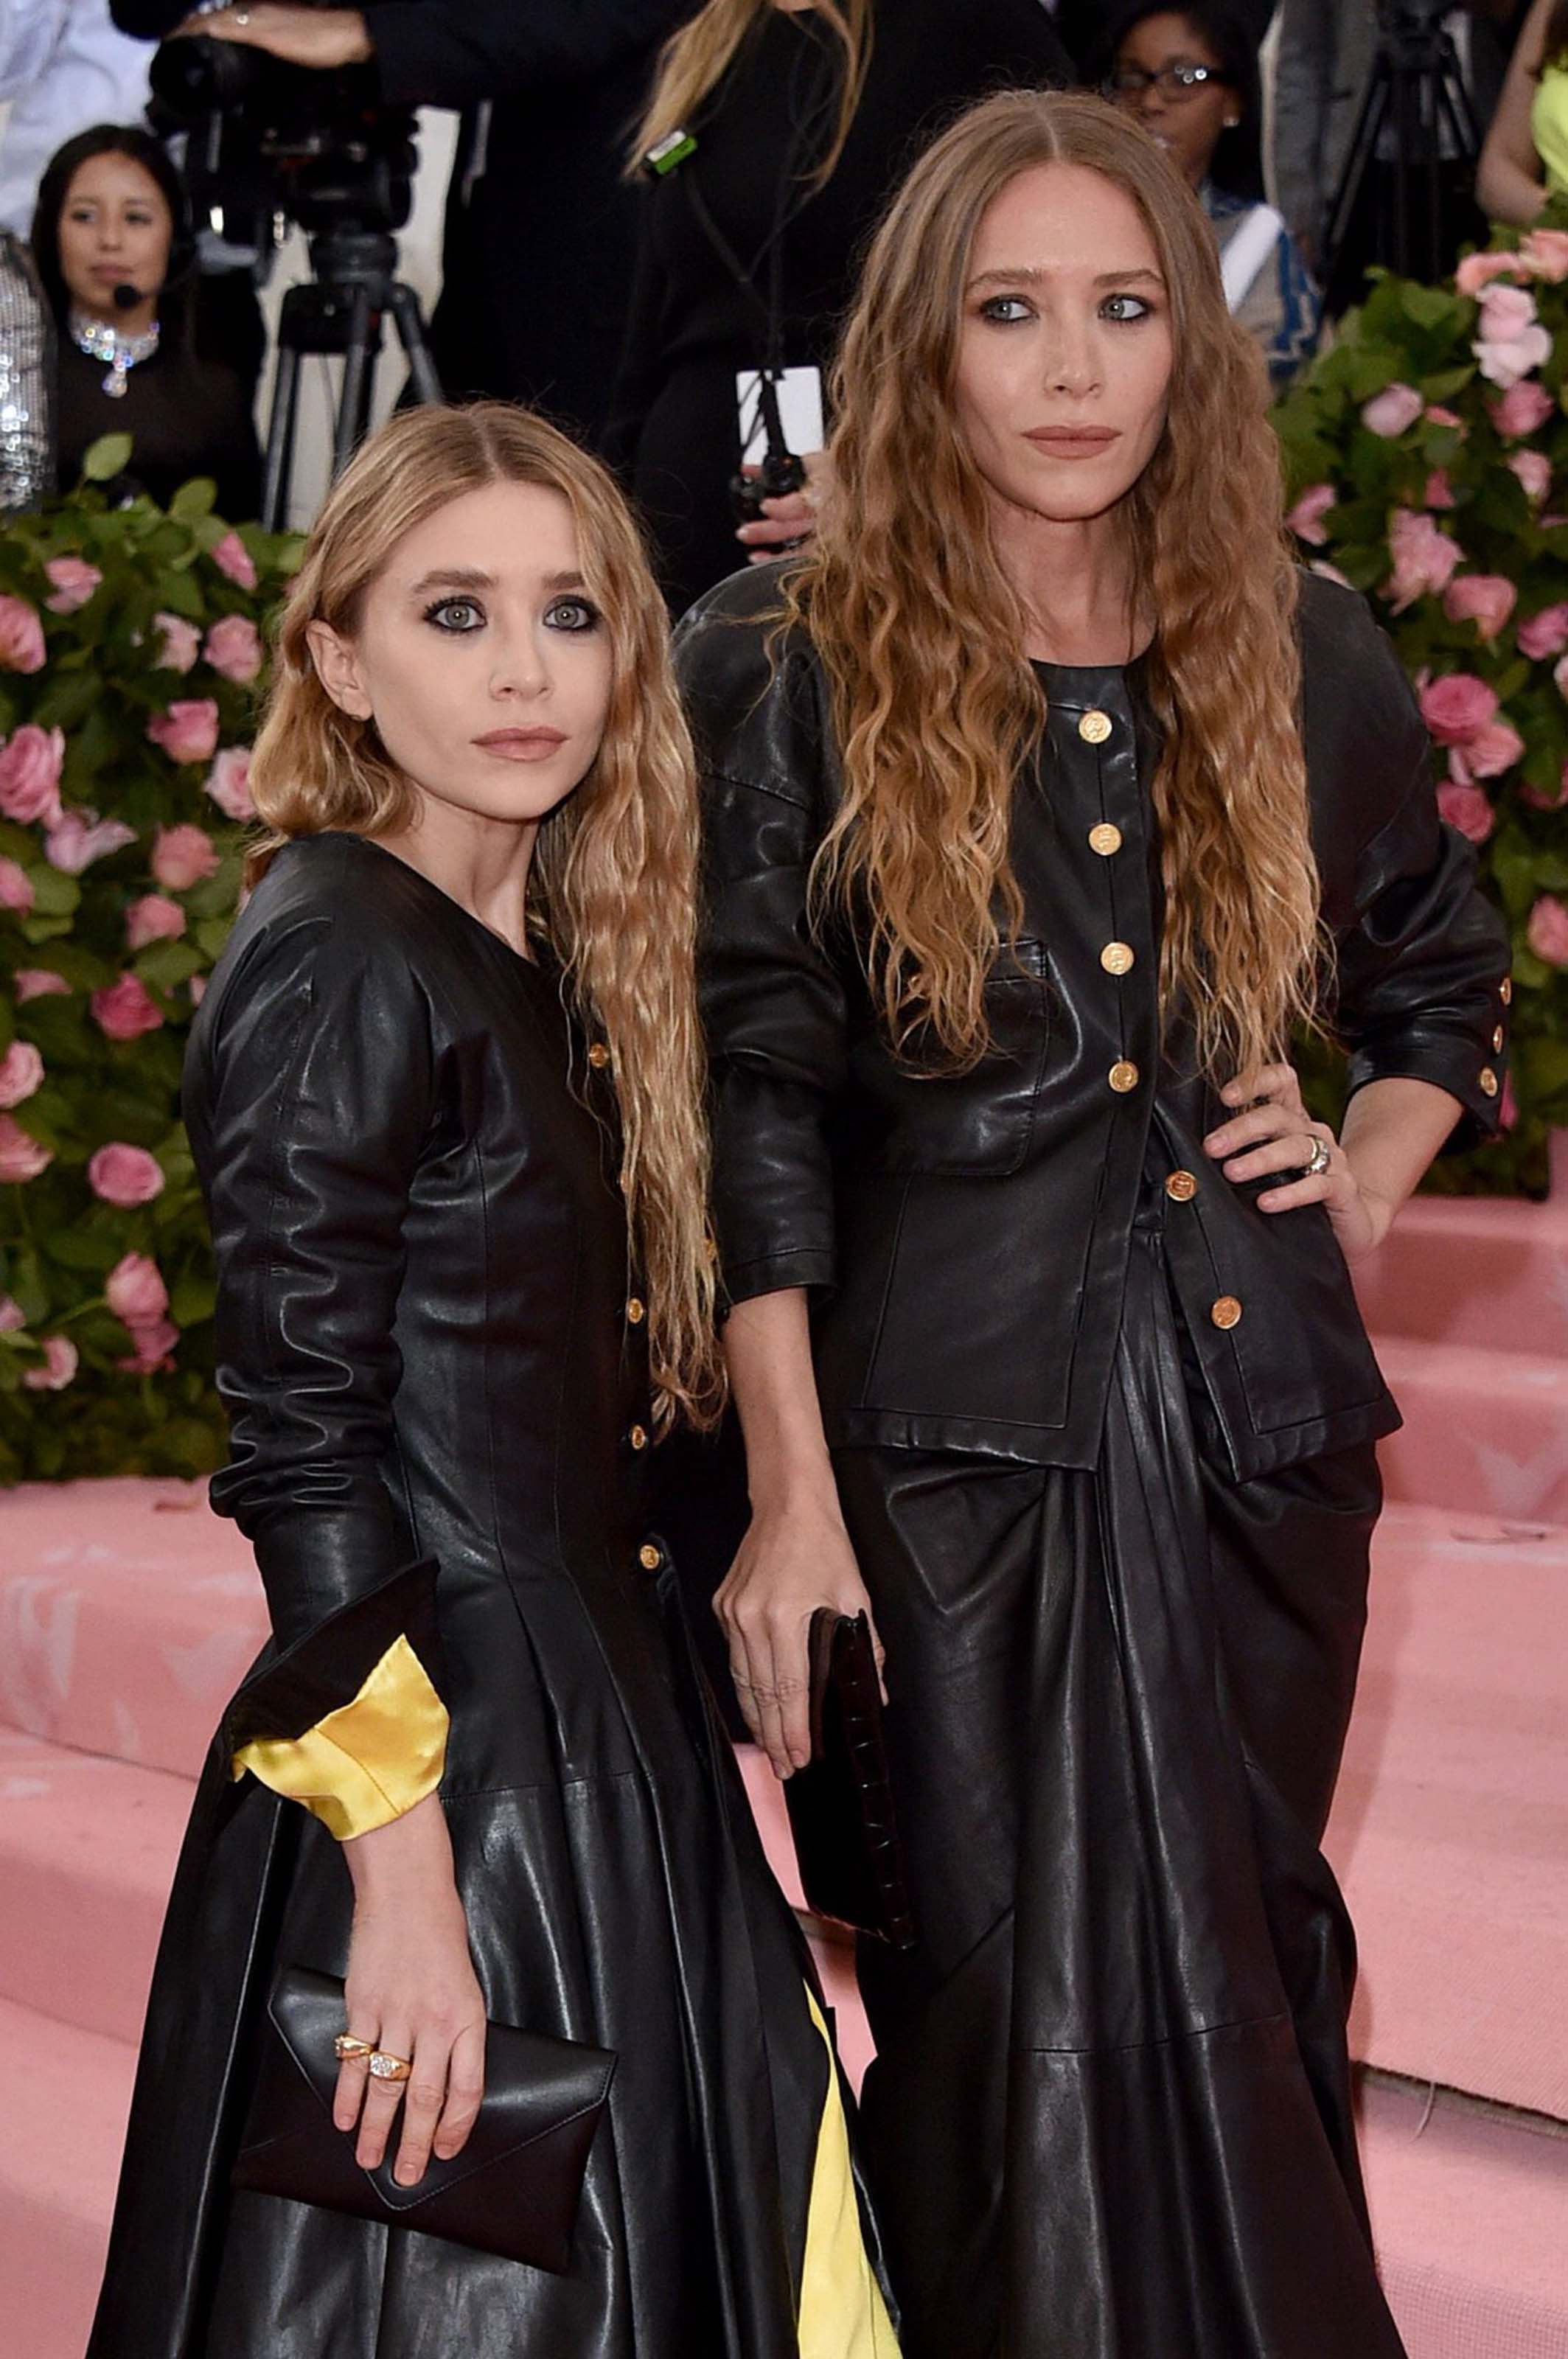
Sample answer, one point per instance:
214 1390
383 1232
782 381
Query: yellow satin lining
843 2314
370 1760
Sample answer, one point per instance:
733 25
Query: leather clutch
840 1803
514 2189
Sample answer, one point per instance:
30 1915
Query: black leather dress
1104 1435
410 1166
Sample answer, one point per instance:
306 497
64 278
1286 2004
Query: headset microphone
126 297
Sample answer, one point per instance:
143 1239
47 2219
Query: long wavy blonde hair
612 884
922 637
694 60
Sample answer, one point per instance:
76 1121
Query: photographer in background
540 229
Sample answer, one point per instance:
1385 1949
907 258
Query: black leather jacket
965 1237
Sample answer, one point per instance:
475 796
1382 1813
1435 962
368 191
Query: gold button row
650 1556
638 1437
637 1312
1226 1312
1117 958
1123 1076
1180 1187
1094 728
1488 1081
1506 990
1498 1036
598 1055
1106 839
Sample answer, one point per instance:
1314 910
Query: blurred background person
541 228
1082 24
113 247
1525 161
63 66
1190 76
804 118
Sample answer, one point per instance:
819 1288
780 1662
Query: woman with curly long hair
1044 798
444 1096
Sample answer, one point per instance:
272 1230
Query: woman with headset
112 244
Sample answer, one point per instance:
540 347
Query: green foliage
132 1393
1460 471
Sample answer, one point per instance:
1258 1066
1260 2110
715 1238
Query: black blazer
966 1238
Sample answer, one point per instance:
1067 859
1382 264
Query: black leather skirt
1110 2116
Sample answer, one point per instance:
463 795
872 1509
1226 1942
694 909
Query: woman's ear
337 669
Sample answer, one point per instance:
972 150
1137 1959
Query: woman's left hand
1276 1135
321 37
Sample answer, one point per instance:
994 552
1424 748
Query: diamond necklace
101 342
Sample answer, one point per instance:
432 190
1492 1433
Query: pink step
68 2092
1470 2212
128 1615
1486 1431
1483 1272
87 1854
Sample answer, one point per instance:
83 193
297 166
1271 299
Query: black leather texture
965 1237
840 1804
512 2191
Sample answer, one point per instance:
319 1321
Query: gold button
1094 728
598 1055
1498 1036
1104 838
636 1313
1117 958
649 1557
1180 1187
1506 989
638 1437
1123 1077
1226 1311
1488 1081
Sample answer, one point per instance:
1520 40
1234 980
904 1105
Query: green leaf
107 458
55 894
193 1298
195 498
84 1248
167 964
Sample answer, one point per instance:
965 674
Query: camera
781 472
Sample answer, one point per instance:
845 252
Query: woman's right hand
411 1991
794 1558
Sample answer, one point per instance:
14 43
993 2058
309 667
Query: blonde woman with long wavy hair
444 1097
1044 799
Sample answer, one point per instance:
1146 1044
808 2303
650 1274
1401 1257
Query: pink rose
1506 312
1424 559
233 648
74 581
29 774
1438 492
188 732
59 1367
183 856
1511 343
153 918
1436 415
123 1010
1521 410
1306 518
181 643
1468 809
136 1292
21 1157
21 1072
1485 599
1455 706
16 887
126 1176
1533 469
21 637
228 783
1545 634
38 982
1544 254
1547 932
154 1344
12 1316
1539 801
1388 413
77 838
232 558
1492 750
1477 270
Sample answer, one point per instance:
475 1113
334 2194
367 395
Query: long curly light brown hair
612 884
922 638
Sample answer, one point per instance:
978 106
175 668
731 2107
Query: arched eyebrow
467 577
1029 275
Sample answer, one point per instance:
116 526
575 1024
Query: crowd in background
630 298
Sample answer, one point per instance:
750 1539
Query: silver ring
1317 1163
242 16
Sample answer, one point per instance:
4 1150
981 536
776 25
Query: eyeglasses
1176 83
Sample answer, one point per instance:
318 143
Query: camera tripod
1404 197
339 310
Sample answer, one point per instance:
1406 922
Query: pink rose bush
21 637
1547 932
38 982
1469 808
154 919
61 1361
188 732
233 648
186 855
1424 559
74 581
124 1010
1511 343
30 763
228 783
233 558
1485 599
123 1175
1390 412
180 643
16 891
77 838
1306 518
1522 410
21 1157
138 1298
21 1072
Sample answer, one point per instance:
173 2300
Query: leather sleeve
458 52
1422 969
318 1087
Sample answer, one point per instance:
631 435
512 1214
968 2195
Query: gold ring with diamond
349 2050
389 2068
1318 1161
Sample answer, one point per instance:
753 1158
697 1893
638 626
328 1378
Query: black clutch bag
840 1804
512 2191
